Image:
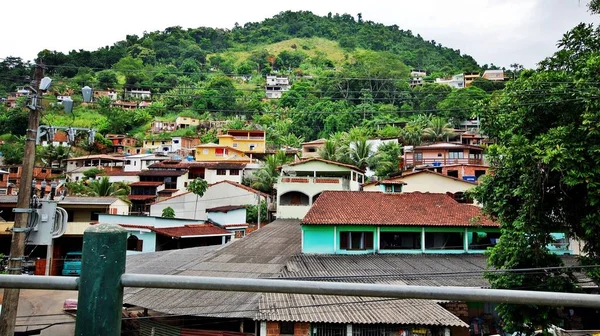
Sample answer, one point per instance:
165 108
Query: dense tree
546 173
168 212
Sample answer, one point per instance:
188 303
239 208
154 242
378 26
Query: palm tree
439 129
103 187
329 150
360 152
412 135
387 159
266 177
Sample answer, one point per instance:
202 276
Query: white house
220 194
423 181
276 86
301 183
233 215
150 234
456 81
139 162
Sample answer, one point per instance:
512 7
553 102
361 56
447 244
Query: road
43 302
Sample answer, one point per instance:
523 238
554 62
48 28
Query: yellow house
184 122
214 152
247 141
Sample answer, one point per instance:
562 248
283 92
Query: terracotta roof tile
146 184
120 173
153 172
141 197
369 208
325 161
191 230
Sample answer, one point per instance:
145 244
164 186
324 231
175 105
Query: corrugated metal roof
261 254
353 309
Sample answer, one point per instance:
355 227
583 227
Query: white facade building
301 183
276 86
457 81
226 193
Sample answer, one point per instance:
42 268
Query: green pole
100 298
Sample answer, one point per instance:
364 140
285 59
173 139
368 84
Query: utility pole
17 248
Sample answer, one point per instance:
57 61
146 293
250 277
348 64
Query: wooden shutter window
368 240
344 238
140 245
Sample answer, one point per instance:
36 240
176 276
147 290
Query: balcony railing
444 161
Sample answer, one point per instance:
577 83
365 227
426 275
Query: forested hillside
345 73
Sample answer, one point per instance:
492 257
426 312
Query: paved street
43 302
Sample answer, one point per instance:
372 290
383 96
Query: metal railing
102 281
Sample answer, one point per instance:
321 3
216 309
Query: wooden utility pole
17 248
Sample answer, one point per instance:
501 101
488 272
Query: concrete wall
230 217
210 175
425 182
146 221
217 195
127 179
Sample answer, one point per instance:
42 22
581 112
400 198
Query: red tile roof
195 164
120 173
226 208
141 197
400 182
427 171
192 230
165 173
325 161
369 208
146 184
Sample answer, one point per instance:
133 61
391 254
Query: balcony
444 161
325 183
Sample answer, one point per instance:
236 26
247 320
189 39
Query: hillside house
212 172
185 122
111 94
441 154
494 75
159 126
217 195
276 86
149 234
139 162
121 143
138 94
311 149
456 81
424 181
302 182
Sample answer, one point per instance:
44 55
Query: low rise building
302 182
311 149
494 75
276 86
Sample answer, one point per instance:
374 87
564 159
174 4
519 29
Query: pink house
441 154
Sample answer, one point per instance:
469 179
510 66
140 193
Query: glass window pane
444 240
483 240
400 240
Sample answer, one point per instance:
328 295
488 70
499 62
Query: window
418 156
393 188
456 155
221 171
252 147
165 149
351 240
444 240
134 244
128 162
311 149
234 172
219 151
235 145
400 240
205 151
175 141
479 173
482 240
286 328
453 173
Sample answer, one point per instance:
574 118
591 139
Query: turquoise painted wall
320 239
317 239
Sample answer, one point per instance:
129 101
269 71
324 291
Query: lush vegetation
546 174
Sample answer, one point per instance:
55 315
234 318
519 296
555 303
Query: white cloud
492 31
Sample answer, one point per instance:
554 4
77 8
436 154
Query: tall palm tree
360 151
439 129
266 177
329 150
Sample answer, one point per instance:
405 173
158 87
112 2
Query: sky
492 31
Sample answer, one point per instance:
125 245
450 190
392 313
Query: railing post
100 299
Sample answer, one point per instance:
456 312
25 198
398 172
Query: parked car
72 264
